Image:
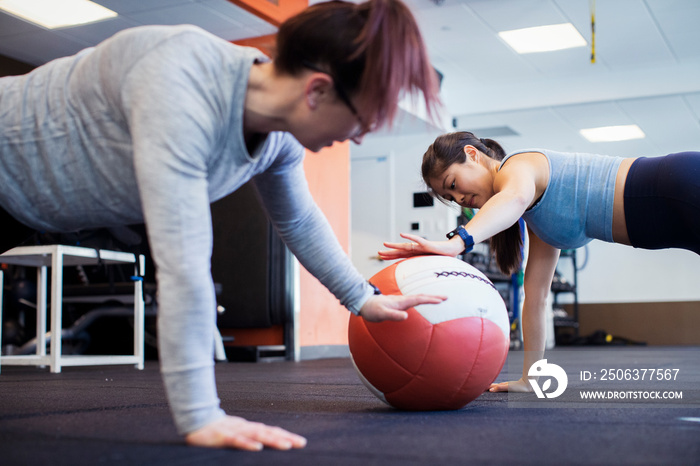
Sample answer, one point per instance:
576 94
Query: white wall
405 153
622 274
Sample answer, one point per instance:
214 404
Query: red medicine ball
444 355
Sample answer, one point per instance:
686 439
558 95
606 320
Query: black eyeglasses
364 129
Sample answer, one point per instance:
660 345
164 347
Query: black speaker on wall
251 265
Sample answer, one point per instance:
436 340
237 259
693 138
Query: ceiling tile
679 21
693 102
668 121
628 36
594 115
506 15
41 46
126 7
95 33
10 25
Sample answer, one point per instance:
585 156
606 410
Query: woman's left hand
419 246
393 307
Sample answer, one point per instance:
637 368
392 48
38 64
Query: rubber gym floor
119 415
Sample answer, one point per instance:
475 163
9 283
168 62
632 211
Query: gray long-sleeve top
148 127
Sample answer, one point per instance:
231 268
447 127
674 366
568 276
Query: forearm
179 232
318 250
534 332
541 264
186 326
305 230
498 214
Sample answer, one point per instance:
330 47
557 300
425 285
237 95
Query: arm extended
541 263
284 192
516 186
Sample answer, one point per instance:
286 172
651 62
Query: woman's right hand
419 246
236 432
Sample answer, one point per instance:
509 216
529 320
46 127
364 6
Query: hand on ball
393 307
419 246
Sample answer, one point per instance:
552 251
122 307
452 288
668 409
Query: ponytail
396 60
373 50
507 246
446 150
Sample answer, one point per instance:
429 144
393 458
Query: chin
320 147
314 146
309 144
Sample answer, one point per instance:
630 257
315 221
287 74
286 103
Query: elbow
521 201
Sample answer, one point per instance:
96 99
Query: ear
472 153
318 88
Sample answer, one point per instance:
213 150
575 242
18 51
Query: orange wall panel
266 44
323 320
272 11
254 336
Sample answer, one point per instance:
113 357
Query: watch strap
466 237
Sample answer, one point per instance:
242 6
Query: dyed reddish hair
373 50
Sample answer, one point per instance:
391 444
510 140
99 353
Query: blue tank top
577 205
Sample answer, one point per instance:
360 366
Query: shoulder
148 37
283 150
532 159
524 171
177 46
160 33
524 154
290 147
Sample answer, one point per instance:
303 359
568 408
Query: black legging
662 202
12 232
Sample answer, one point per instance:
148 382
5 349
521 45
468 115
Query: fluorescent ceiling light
53 14
613 133
543 38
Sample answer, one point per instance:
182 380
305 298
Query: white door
372 211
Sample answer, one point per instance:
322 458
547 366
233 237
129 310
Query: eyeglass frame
364 129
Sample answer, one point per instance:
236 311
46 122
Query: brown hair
447 150
372 49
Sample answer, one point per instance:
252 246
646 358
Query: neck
271 100
491 164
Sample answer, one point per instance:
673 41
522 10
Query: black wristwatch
376 290
466 237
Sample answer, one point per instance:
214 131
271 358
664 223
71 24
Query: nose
458 198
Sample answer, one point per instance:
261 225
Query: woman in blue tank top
566 200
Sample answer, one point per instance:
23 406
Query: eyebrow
444 181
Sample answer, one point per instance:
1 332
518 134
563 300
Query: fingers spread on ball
426 299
